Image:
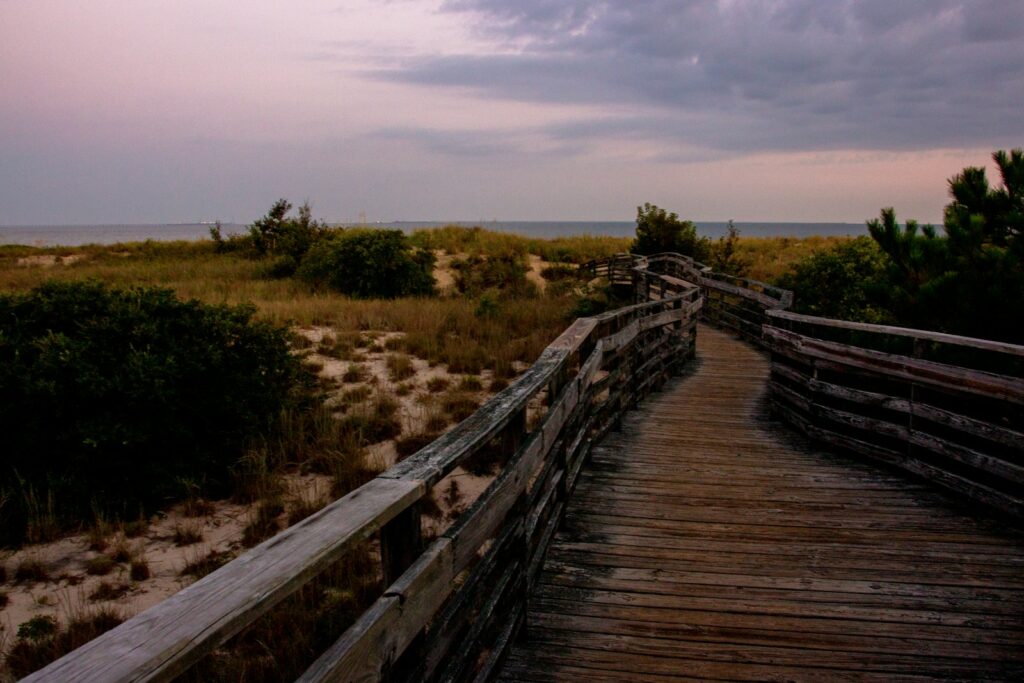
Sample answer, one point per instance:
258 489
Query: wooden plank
366 650
926 335
167 638
686 555
929 373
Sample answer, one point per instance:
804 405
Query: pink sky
413 110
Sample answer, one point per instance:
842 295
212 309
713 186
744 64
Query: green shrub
658 231
109 398
846 281
369 263
505 273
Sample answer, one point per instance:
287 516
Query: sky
755 110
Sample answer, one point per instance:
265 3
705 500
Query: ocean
75 235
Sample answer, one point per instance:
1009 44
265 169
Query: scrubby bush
846 281
109 398
504 273
658 231
369 263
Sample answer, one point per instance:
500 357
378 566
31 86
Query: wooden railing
735 303
450 606
947 408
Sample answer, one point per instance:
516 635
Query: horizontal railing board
927 335
170 636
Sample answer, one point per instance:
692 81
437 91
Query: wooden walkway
706 542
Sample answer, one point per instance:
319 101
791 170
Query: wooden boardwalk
705 541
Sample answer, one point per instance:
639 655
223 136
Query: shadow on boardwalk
705 541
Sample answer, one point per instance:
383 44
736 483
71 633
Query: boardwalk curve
705 541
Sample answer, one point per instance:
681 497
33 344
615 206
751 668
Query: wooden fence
451 606
734 303
947 408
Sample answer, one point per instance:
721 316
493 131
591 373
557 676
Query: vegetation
847 281
369 263
658 231
110 397
969 280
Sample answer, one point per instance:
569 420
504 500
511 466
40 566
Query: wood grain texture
705 541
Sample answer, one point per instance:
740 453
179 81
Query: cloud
736 76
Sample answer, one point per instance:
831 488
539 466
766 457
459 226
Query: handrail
427 625
731 302
946 408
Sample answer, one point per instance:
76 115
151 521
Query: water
75 235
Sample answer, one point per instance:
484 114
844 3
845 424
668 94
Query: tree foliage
971 279
109 398
659 231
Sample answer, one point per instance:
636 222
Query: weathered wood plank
686 555
164 640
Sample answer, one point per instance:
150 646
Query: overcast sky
776 110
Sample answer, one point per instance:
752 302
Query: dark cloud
744 75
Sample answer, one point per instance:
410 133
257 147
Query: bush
658 231
369 263
505 273
847 281
109 398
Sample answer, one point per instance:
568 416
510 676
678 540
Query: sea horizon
69 235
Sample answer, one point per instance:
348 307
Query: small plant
436 423
37 628
497 384
407 445
404 389
373 423
121 552
201 566
470 383
399 366
459 405
394 344
109 591
264 523
356 372
436 385
187 533
99 565
136 528
355 395
98 535
303 506
139 569
31 570
41 643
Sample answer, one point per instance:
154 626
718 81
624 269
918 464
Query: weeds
187 533
264 523
139 570
109 591
436 385
39 645
100 565
31 570
356 372
207 564
470 383
399 367
407 445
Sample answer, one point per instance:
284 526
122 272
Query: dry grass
768 258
